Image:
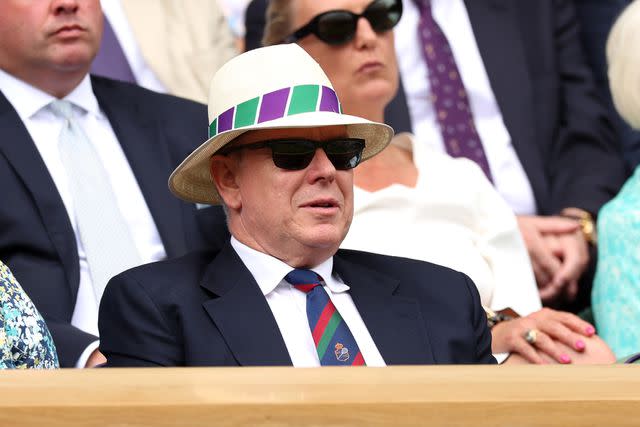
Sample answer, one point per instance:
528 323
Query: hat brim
192 181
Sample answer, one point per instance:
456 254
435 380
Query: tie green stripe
328 333
304 99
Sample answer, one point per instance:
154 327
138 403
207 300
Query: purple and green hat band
275 105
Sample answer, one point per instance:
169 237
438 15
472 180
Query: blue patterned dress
25 341
616 289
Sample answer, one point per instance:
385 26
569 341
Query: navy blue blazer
36 238
206 309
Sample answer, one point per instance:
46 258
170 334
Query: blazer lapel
395 323
20 151
495 25
241 313
147 151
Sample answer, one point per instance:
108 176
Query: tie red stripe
358 360
306 288
327 312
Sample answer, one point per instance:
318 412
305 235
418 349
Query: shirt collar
28 100
269 271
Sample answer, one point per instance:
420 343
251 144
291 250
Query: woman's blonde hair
279 22
623 57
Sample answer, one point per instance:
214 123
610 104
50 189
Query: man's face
298 216
363 70
54 36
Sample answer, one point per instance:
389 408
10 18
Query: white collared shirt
44 127
289 306
117 17
509 177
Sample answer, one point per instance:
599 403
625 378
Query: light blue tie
107 241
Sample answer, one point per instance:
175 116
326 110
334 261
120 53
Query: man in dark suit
140 136
280 158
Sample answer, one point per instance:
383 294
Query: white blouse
452 217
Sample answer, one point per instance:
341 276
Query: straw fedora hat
273 87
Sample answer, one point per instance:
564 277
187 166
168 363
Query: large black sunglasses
337 27
296 154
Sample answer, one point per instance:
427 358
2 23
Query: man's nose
65 6
321 167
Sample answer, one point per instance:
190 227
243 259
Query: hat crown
260 72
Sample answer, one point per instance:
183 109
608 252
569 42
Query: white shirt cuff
82 361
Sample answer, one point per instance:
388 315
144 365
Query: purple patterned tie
448 94
110 61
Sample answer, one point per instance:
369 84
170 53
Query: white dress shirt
144 75
289 306
44 126
509 177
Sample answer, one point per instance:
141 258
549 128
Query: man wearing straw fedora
279 159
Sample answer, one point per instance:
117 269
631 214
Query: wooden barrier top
396 396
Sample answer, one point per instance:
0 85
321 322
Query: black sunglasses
337 27
296 154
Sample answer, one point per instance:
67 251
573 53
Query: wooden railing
474 396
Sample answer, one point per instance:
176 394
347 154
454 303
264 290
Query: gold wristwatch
587 224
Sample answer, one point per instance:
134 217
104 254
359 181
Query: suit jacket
206 309
36 238
559 126
184 42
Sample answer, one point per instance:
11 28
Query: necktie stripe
358 360
335 344
323 321
328 334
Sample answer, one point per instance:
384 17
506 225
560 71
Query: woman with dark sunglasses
434 207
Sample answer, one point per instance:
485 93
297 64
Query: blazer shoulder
393 265
167 275
105 88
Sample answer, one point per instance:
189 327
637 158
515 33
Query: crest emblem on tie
341 352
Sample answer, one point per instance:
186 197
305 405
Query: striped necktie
448 94
333 339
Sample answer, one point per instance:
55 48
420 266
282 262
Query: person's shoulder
394 265
108 87
167 274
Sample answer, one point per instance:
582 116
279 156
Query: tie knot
62 109
304 280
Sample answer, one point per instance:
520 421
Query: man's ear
223 173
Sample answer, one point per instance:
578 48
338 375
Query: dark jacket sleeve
480 326
585 165
133 331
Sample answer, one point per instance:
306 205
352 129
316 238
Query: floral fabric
25 341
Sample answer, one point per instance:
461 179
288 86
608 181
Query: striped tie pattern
333 339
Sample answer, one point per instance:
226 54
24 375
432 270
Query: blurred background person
169 46
616 292
596 18
422 203
25 341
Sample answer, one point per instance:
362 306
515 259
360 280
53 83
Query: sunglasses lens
336 27
383 15
293 155
345 154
